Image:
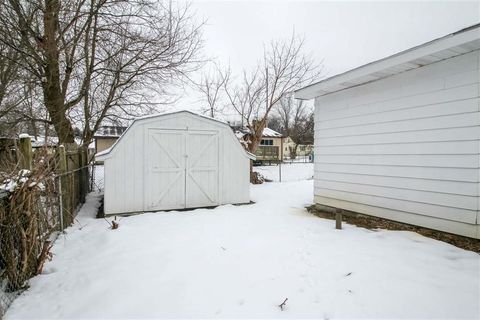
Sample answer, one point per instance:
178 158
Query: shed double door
181 169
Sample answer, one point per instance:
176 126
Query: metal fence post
280 171
62 169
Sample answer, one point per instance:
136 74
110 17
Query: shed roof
449 46
102 155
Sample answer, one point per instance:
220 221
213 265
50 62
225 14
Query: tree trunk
255 138
293 151
52 91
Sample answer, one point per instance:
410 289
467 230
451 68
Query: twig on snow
281 305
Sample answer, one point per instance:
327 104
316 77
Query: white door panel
181 169
165 172
202 169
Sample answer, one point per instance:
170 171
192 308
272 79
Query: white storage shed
175 161
399 138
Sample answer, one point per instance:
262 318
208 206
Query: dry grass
27 220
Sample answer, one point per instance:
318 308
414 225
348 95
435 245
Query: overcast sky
344 34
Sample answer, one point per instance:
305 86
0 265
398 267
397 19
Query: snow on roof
101 153
239 134
452 45
40 141
267 132
110 131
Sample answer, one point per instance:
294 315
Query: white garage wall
405 147
125 165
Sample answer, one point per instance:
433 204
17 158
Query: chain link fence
97 177
38 199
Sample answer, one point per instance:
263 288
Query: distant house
398 138
106 137
302 149
271 145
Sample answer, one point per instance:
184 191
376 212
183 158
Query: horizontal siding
408 143
440 186
420 208
446 160
396 192
418 112
431 148
433 135
432 173
436 97
431 78
468 119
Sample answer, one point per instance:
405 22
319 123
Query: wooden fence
72 176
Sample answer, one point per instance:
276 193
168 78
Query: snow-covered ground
243 261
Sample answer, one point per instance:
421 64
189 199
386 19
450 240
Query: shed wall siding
406 147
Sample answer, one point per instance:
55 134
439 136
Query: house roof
50 141
267 133
452 45
110 131
102 155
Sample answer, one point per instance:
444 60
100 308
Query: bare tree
95 58
245 97
285 67
211 86
9 76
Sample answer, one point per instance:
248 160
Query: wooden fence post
72 178
26 154
64 196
